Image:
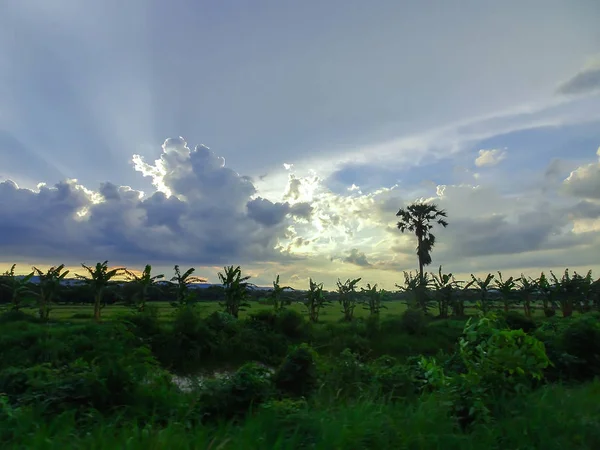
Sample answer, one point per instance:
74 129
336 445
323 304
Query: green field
165 311
330 313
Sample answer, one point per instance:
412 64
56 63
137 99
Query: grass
76 313
554 418
330 313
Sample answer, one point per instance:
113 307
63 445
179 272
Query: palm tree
143 283
18 287
49 287
418 218
98 278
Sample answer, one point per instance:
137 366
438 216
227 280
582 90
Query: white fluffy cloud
490 157
585 181
202 213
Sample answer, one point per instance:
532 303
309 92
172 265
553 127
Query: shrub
581 339
413 321
297 375
392 379
221 321
189 342
517 321
18 316
264 320
103 384
291 324
233 396
346 375
146 323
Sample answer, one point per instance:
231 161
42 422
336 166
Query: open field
330 313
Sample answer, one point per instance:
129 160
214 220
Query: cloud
489 157
584 181
358 258
586 81
202 213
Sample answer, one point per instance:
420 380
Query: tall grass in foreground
554 418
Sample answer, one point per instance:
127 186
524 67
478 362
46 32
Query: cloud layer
203 213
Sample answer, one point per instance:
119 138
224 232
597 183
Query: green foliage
233 396
315 300
374 300
236 290
190 342
413 321
516 321
549 293
445 293
50 287
507 290
19 287
143 284
416 290
98 279
526 289
484 286
297 375
347 297
276 295
183 297
581 339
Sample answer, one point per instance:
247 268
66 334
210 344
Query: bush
392 379
264 320
233 396
581 339
221 321
146 323
297 375
346 375
18 316
517 321
189 343
104 384
291 324
413 321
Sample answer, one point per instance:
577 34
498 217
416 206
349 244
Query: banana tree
526 289
596 294
567 292
182 281
18 287
374 299
347 297
549 292
236 290
50 284
458 302
507 290
445 288
315 300
417 290
98 278
484 288
585 290
276 295
143 284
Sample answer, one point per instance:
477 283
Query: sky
285 136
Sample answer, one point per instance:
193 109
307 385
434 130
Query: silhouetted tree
419 218
98 279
